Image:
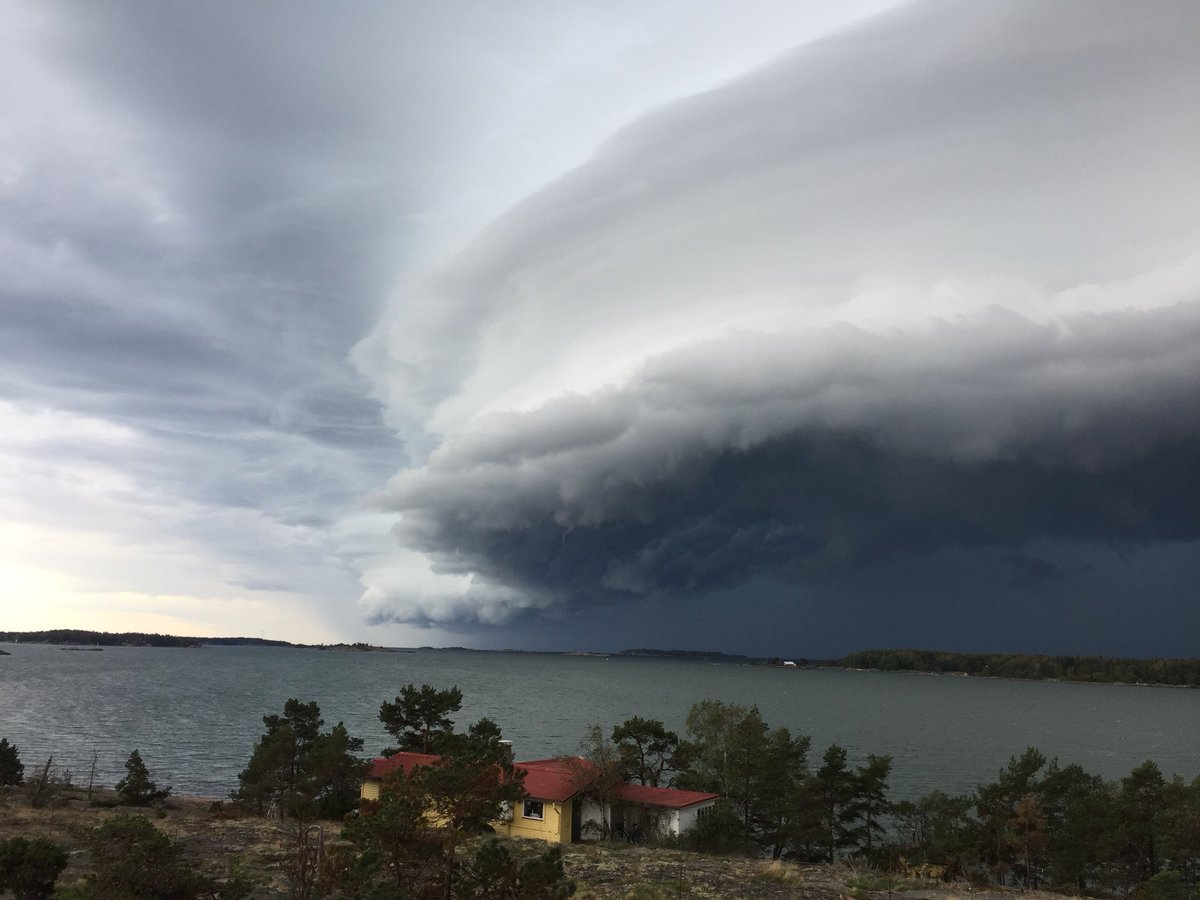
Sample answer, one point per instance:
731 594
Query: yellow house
385 765
552 810
559 811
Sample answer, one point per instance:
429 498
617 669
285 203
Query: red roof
667 798
556 780
404 761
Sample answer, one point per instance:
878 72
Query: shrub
134 859
46 785
30 868
495 872
721 831
1168 885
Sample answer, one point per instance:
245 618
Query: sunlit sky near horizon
764 327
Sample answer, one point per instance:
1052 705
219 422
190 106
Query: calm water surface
196 714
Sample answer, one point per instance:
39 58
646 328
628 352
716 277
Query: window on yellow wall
533 809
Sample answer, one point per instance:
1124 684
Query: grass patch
860 884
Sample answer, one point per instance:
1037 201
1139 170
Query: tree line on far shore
1097 669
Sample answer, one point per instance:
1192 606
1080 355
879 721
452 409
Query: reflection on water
196 714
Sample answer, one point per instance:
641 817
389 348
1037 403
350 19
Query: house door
576 820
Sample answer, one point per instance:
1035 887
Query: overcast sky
765 327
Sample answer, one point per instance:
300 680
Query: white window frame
527 814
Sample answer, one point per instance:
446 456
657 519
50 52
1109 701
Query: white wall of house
669 821
592 812
686 818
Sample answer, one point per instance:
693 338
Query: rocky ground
218 843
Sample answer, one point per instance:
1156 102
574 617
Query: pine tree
870 800
835 791
11 769
136 788
420 717
299 767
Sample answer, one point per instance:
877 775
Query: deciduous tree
599 770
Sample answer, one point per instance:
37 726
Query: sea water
195 714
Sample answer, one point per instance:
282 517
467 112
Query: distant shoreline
1150 672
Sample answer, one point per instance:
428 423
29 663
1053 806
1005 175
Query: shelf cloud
928 283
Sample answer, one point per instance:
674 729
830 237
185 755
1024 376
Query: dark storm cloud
1033 572
929 284
711 469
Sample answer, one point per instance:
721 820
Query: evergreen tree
937 830
11 769
465 787
870 801
1181 828
648 747
419 718
137 788
1080 812
1141 806
783 798
996 805
332 773
394 843
834 789
301 769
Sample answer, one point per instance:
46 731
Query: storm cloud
927 284
765 326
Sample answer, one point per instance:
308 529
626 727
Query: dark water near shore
196 714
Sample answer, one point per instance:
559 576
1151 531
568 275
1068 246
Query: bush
30 868
721 831
1168 885
11 769
134 859
495 872
46 785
